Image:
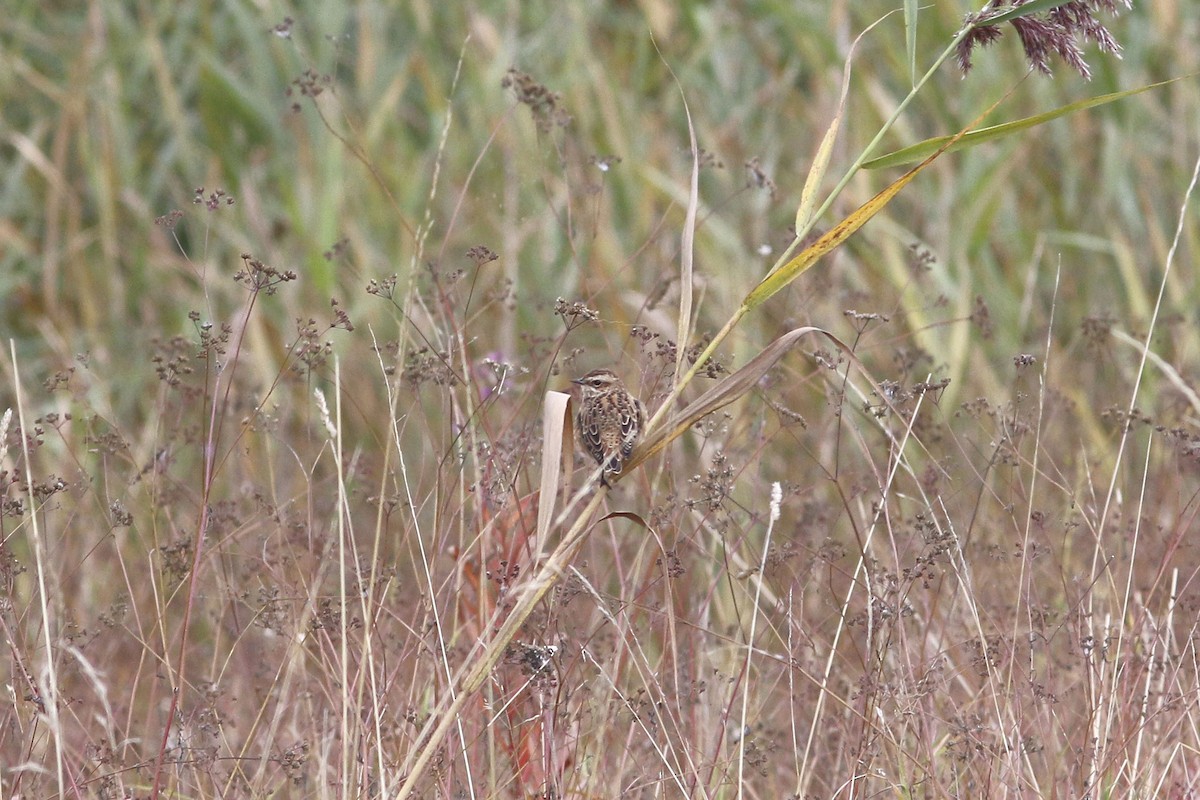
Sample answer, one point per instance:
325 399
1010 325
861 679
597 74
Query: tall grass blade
911 10
820 165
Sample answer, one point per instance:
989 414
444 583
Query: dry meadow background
284 288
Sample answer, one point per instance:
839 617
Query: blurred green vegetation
114 114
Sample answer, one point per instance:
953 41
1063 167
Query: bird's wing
633 419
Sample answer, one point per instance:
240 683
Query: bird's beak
577 381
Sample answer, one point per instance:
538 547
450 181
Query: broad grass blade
920 150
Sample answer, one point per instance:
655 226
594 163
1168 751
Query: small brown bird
610 420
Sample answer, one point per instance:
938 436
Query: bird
609 420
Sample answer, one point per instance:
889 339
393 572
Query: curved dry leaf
556 449
629 515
